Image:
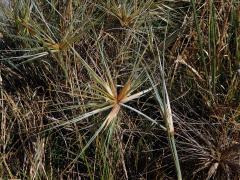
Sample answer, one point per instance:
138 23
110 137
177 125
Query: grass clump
119 89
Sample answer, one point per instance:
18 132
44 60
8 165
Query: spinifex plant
127 12
104 98
39 36
107 123
212 158
134 13
109 98
161 95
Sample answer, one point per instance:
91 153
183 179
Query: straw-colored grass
114 89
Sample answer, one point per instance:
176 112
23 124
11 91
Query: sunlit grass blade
112 115
144 115
135 96
82 117
96 77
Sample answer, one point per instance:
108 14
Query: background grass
120 89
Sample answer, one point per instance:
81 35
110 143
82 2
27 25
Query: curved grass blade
144 115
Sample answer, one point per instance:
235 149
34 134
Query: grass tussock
119 89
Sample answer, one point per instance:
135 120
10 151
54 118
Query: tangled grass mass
120 89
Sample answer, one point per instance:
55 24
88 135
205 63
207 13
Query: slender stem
200 42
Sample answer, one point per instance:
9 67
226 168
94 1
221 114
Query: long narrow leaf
144 115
